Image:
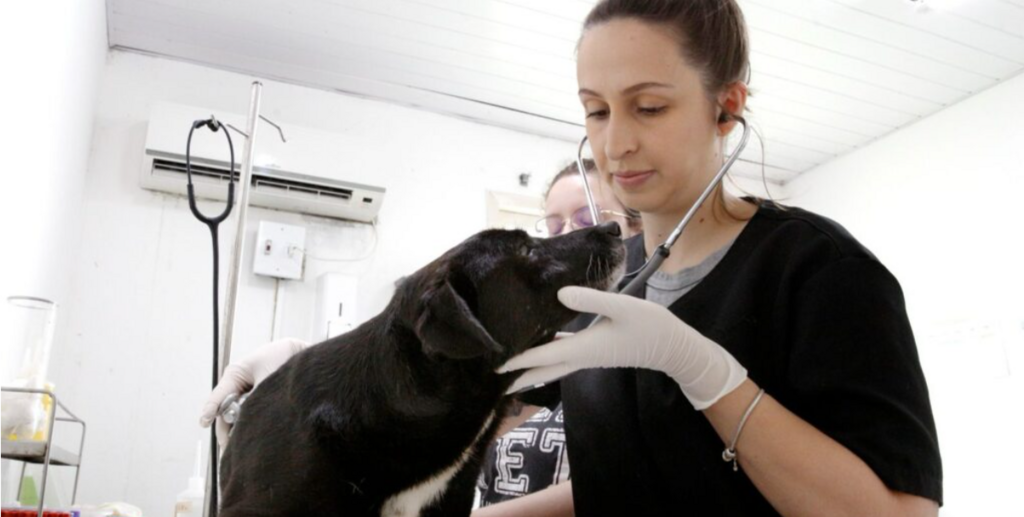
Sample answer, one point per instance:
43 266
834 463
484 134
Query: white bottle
190 502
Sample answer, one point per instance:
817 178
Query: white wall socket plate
279 250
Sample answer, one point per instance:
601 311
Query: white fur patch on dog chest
409 502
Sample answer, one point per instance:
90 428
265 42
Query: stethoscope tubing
661 252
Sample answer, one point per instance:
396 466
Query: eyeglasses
553 225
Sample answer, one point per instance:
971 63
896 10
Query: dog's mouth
604 272
603 268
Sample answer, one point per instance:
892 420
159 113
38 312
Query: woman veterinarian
795 307
753 297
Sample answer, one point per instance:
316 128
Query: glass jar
26 334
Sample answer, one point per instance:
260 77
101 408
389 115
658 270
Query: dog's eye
526 251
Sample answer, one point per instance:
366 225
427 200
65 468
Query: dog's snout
611 228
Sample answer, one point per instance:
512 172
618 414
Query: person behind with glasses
565 204
529 455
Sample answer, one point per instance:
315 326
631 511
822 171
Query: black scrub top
818 322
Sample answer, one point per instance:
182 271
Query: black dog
392 418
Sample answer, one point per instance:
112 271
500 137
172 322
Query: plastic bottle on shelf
190 502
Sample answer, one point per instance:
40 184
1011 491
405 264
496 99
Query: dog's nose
611 228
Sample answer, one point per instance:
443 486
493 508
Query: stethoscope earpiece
214 125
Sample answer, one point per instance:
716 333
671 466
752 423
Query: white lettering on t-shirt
508 481
553 440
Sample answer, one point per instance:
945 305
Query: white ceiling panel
762 171
932 79
875 102
452 77
829 76
860 18
989 28
793 64
809 103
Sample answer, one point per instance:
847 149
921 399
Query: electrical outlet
279 250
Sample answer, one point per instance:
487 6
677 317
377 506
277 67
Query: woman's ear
732 101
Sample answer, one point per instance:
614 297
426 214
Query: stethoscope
231 407
662 251
640 276
212 223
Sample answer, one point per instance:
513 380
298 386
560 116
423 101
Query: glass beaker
26 336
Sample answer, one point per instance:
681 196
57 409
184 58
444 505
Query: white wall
135 357
52 55
48 101
940 204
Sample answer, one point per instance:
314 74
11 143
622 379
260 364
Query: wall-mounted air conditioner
302 175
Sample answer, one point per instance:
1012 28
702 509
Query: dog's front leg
457 499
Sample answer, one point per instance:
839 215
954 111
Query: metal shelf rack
45 453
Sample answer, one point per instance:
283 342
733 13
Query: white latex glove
634 333
245 375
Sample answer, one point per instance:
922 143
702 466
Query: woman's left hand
634 333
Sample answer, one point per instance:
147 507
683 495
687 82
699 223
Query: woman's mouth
632 179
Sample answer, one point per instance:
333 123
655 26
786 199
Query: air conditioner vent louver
302 177
261 182
198 171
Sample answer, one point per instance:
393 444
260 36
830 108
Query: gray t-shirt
665 288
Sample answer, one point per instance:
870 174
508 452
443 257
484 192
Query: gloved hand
634 333
245 375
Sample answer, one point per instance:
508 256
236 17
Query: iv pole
231 300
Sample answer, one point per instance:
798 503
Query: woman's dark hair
632 216
570 170
712 33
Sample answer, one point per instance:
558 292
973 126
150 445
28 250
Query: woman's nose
620 139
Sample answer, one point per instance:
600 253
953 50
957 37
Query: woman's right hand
245 375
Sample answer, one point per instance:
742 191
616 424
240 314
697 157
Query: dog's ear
447 326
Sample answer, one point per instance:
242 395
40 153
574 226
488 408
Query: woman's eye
652 110
597 113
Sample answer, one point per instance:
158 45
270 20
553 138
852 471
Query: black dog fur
407 402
